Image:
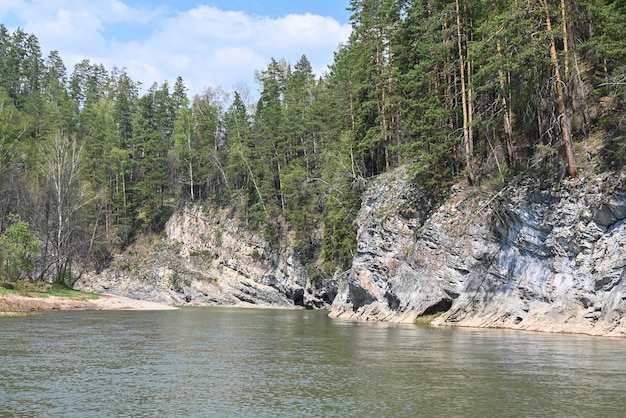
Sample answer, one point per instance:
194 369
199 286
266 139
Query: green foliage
204 254
256 255
187 149
151 133
339 242
295 163
218 237
179 283
18 249
13 125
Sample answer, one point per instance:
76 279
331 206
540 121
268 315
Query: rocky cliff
526 256
208 258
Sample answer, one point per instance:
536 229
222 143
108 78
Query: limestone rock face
210 259
544 258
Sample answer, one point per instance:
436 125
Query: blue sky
210 43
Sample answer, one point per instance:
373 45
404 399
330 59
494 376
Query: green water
206 362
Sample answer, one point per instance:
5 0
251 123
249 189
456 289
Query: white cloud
7 6
69 28
208 47
301 30
117 11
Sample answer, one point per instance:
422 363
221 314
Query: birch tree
62 168
186 148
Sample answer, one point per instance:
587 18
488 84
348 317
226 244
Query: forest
464 91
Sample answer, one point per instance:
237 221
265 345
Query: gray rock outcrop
208 258
545 258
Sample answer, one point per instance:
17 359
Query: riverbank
17 304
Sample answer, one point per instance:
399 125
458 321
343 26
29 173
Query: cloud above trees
207 46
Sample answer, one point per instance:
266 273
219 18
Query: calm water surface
205 362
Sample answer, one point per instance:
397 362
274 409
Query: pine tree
374 26
272 143
150 160
301 159
59 113
563 115
125 97
240 145
126 94
426 67
88 82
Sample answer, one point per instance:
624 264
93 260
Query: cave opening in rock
298 297
442 306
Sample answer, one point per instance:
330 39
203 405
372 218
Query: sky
209 43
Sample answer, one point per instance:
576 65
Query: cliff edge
527 255
208 258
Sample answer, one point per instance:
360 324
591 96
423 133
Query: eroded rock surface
545 258
210 259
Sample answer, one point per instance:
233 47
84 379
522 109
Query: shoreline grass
43 290
427 319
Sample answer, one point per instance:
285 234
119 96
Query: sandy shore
21 304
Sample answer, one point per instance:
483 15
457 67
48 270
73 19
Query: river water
205 362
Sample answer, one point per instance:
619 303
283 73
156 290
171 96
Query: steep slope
529 256
208 258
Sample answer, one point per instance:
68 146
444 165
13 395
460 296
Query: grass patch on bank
43 290
427 319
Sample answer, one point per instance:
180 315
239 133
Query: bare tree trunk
464 101
256 187
470 88
506 122
561 100
281 190
565 41
539 117
470 105
191 191
351 98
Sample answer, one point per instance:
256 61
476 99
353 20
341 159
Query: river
205 362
